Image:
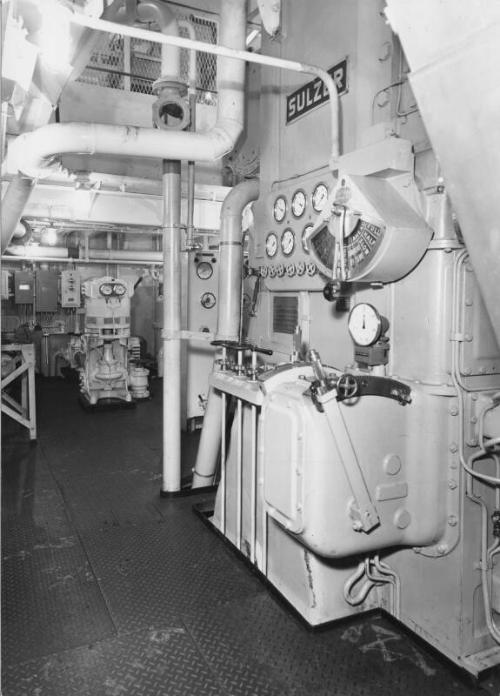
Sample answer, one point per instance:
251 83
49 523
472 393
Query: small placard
315 93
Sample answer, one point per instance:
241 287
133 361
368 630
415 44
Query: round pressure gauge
287 242
271 244
279 209
305 244
106 289
298 203
319 196
119 289
365 324
208 300
204 270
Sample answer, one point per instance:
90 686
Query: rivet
469 302
473 419
468 337
452 484
391 464
453 447
453 411
402 518
452 520
442 549
357 526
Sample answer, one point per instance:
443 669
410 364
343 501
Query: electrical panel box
70 289
5 284
23 287
46 291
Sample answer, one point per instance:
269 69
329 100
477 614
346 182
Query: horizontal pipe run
283 64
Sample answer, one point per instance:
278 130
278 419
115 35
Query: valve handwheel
347 386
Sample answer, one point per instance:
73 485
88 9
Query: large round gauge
305 244
204 270
319 196
287 242
106 289
279 209
119 289
299 203
365 324
208 300
271 244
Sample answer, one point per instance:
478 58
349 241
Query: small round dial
204 270
287 242
365 324
119 289
106 289
208 300
271 244
319 196
279 209
305 244
299 203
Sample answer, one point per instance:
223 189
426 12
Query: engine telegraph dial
298 203
279 209
365 324
287 242
271 244
319 197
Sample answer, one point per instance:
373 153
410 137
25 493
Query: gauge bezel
287 231
108 287
313 195
204 267
298 192
119 289
305 246
213 300
268 237
279 217
379 324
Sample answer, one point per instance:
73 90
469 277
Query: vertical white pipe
158 12
171 480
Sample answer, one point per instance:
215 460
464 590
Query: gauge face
320 194
271 244
204 270
305 244
106 289
208 300
287 242
298 203
365 324
119 289
279 209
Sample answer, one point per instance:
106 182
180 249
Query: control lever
255 296
241 348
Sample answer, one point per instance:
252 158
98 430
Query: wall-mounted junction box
23 287
70 289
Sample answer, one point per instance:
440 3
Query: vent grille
285 314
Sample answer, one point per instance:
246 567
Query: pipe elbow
224 136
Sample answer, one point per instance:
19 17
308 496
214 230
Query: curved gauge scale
359 248
384 236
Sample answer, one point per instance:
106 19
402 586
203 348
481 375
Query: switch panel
23 287
46 291
70 289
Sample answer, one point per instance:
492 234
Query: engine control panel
284 219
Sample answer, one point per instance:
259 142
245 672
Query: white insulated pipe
231 258
160 13
43 253
190 30
228 319
172 291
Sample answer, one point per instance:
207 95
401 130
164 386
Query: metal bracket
368 385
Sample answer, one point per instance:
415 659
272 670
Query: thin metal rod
239 467
253 491
222 484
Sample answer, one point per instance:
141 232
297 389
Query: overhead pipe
33 153
44 253
228 319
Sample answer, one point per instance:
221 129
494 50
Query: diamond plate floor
109 590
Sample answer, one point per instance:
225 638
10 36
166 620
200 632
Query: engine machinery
359 462
105 341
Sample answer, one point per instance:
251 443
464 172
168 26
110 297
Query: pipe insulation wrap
162 15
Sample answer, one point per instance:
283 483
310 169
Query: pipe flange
171 109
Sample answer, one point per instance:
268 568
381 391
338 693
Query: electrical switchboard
46 291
